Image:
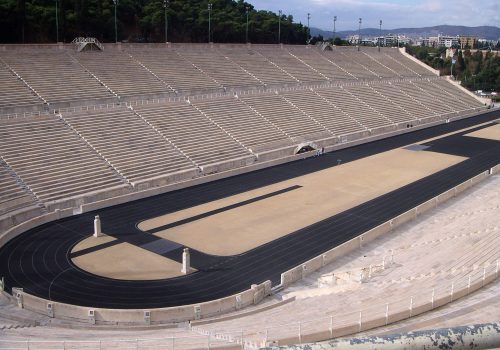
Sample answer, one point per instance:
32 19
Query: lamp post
116 28
246 36
308 29
209 20
57 23
166 4
359 33
334 29
279 26
380 36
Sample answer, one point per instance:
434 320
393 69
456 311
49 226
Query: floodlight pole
246 36
209 20
334 29
57 23
380 36
279 26
359 34
308 28
116 28
166 4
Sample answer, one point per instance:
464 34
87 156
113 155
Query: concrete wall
252 296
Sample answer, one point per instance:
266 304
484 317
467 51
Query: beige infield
124 261
491 133
322 194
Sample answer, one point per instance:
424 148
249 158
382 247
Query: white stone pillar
97 227
186 262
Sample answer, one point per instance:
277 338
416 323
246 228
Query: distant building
443 40
353 39
468 42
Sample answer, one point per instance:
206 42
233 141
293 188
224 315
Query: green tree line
34 21
475 69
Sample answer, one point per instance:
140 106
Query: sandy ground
124 261
491 133
323 194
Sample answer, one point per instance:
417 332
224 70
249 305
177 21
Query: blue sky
393 13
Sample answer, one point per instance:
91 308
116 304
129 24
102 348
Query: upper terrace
56 76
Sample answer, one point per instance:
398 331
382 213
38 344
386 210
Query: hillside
143 21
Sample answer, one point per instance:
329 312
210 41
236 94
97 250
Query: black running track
40 260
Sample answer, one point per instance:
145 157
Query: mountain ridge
482 32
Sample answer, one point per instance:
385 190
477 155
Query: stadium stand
289 64
120 73
55 76
199 140
130 145
326 67
354 107
52 160
259 66
201 108
243 123
15 93
177 73
220 68
13 195
376 101
285 116
324 112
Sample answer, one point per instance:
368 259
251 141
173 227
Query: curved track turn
39 260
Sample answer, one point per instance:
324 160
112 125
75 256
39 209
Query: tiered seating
55 76
198 138
374 66
120 73
413 106
14 92
428 100
246 126
291 65
347 63
388 61
456 93
455 100
258 66
414 66
221 69
53 161
286 117
175 71
127 142
353 107
12 196
321 63
331 117
380 103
